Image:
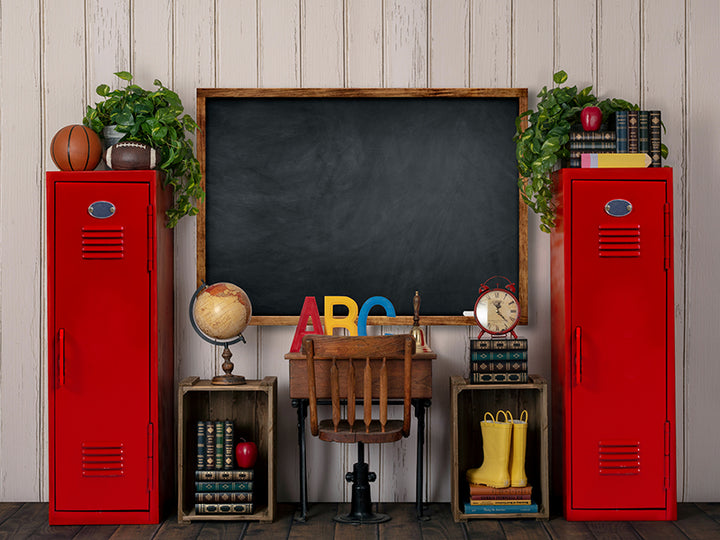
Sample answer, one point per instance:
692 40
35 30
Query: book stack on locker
220 486
498 360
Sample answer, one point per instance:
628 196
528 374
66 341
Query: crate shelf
468 404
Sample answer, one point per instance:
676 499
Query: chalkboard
361 193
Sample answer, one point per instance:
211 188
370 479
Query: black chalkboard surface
361 193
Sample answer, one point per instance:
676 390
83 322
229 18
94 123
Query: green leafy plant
543 143
154 118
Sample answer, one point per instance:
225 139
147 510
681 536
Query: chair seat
356 433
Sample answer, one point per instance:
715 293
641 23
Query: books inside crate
489 500
629 132
220 486
498 360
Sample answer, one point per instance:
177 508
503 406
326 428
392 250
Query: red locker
613 370
110 348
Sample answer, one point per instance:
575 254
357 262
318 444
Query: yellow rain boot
494 470
517 452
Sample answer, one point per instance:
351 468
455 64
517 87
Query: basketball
76 148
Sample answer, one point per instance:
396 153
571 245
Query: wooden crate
468 405
253 409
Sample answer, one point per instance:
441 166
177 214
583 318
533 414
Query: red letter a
309 311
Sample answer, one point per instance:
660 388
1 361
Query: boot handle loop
497 417
492 418
509 415
524 413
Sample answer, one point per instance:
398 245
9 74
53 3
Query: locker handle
61 356
578 356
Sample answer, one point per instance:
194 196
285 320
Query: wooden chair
358 370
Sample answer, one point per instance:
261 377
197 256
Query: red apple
591 118
246 454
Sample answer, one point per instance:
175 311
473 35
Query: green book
224 486
219 444
501 508
224 497
235 475
229 449
223 508
209 445
498 355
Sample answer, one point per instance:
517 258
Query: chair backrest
357 368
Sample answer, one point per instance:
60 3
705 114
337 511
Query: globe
219 313
222 311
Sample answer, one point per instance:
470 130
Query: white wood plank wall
661 54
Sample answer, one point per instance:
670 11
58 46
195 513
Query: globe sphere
222 311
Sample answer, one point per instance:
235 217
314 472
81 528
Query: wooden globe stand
228 379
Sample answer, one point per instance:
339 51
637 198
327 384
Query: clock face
497 311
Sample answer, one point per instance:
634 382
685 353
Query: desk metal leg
301 405
420 405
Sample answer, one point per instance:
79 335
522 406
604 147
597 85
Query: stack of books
634 132
497 360
220 487
488 500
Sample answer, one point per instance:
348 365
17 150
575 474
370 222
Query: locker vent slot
102 243
103 460
619 241
619 457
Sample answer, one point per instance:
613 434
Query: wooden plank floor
696 521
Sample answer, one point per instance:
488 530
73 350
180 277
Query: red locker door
102 314
619 350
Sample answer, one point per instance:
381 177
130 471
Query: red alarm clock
497 310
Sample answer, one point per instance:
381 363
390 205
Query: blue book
621 131
501 508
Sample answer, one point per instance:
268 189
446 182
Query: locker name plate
101 209
618 208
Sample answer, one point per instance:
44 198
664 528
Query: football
128 155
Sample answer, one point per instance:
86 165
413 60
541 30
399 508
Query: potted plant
542 145
154 118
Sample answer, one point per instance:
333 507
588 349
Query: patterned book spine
238 508
600 135
236 475
223 486
500 508
519 344
621 131
233 497
228 453
209 445
500 501
477 378
632 131
507 497
592 146
503 366
498 355
200 445
655 139
644 132
219 444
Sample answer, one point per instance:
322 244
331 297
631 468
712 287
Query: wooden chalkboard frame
206 94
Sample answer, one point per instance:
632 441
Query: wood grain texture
364 43
279 43
449 37
405 60
108 43
22 406
236 52
322 43
619 48
490 29
702 311
663 82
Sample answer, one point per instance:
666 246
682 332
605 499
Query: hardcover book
633 131
599 135
228 452
235 475
224 497
592 146
519 344
500 508
496 502
201 444
655 139
498 366
224 486
219 444
621 131
498 355
480 489
238 508
209 445
477 378
643 132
